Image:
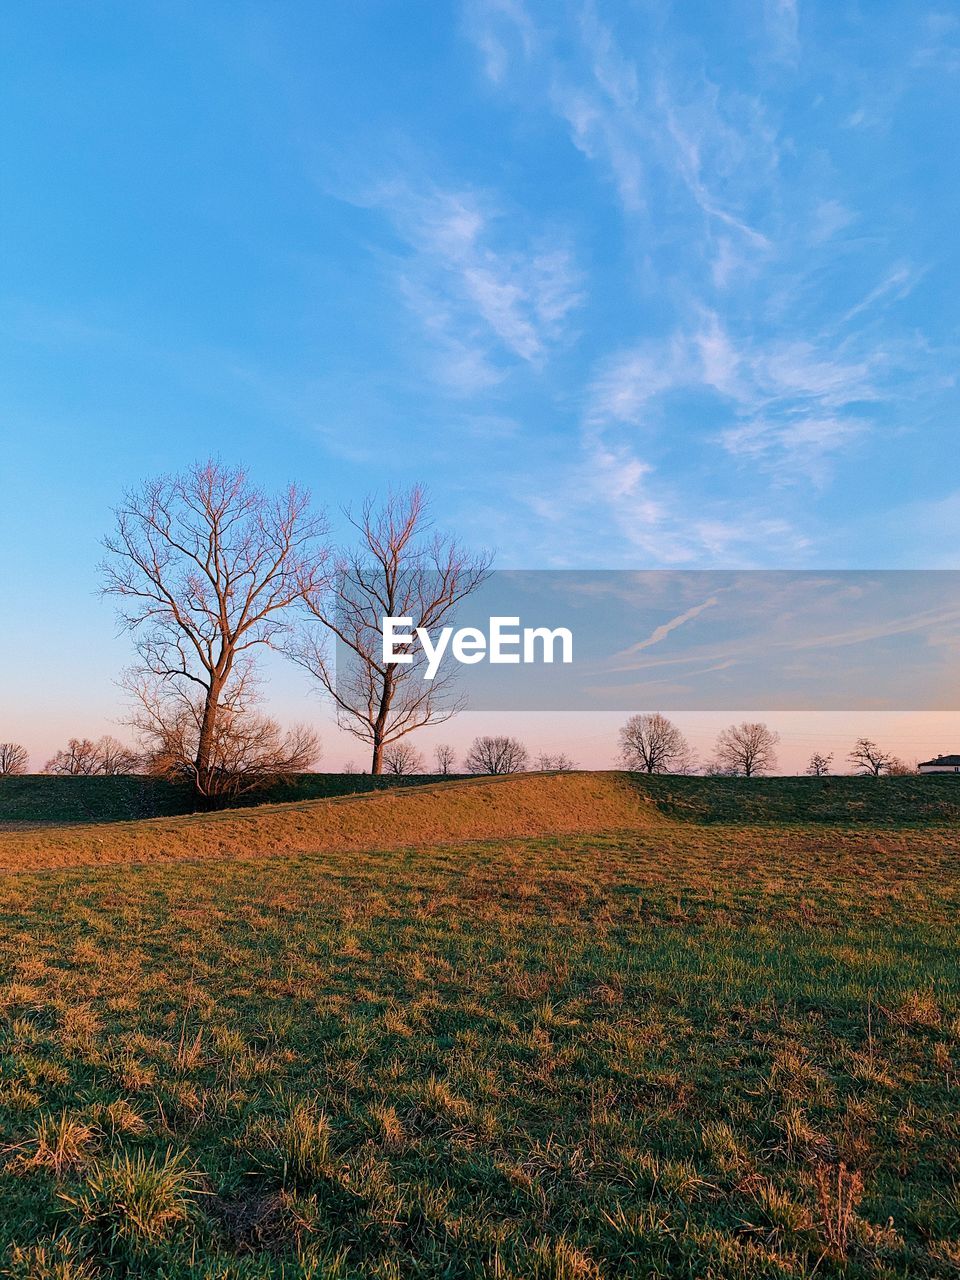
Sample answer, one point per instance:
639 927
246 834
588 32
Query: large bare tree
650 743
208 569
13 759
400 569
747 749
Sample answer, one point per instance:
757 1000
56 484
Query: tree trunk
376 765
208 727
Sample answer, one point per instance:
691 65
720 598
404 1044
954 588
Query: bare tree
248 751
747 749
13 759
496 755
818 766
115 758
870 759
444 758
399 570
897 768
208 569
650 743
402 758
558 763
77 759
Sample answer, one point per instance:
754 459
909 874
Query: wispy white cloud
484 294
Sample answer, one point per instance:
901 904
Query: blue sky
627 285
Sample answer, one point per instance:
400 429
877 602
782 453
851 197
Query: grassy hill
45 798
688 1049
475 808
837 801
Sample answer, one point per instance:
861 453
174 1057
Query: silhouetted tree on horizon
496 755
13 759
650 743
869 759
747 750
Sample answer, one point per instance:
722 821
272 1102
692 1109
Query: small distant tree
898 768
77 759
115 758
558 763
402 758
496 755
13 759
349 768
444 758
650 743
819 764
867 758
747 750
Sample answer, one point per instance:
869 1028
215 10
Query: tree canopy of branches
818 766
13 759
897 768
402 758
747 749
650 743
870 759
208 568
496 755
248 750
400 570
558 762
444 758
82 757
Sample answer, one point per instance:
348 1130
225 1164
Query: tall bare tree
747 749
400 569
209 568
444 758
496 755
650 743
870 759
13 759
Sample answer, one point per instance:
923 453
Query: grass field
691 1048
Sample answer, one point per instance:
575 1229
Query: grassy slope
480 808
39 798
42 798
660 1052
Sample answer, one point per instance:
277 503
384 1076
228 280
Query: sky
626 285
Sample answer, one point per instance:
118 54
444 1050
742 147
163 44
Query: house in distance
942 764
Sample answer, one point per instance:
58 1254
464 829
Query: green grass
700 1051
50 799
839 801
